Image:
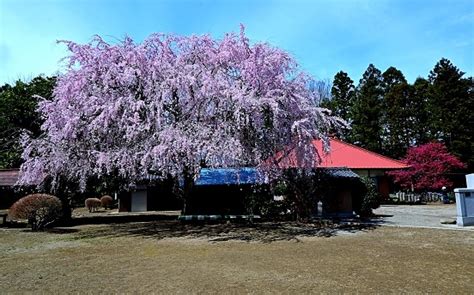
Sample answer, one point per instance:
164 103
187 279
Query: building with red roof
360 160
8 177
343 154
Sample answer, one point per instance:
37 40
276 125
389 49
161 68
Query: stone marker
447 221
465 202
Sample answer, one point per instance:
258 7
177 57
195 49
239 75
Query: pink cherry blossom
169 104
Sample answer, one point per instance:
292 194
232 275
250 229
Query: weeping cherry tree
170 104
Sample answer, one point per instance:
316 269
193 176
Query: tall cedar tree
397 113
18 105
366 111
420 129
451 105
342 94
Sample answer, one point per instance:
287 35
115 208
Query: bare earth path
167 257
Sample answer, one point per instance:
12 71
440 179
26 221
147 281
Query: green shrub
41 210
451 197
260 201
370 198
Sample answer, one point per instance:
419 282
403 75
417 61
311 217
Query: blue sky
323 36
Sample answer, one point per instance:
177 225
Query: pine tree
391 77
342 94
366 111
451 104
420 115
397 126
18 114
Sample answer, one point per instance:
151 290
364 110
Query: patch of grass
164 257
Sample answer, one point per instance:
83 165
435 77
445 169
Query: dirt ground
170 257
429 215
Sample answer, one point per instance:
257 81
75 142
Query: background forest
388 115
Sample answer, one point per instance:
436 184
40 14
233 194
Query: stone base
465 221
338 214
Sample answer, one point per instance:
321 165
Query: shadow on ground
123 218
265 232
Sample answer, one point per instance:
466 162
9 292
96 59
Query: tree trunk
66 216
187 187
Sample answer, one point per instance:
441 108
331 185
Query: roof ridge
369 151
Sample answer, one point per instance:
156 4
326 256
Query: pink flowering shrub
429 164
41 210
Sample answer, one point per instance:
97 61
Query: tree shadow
62 230
264 232
378 216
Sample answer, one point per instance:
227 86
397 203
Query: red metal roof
8 177
343 154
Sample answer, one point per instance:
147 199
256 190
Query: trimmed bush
41 210
371 198
107 201
92 204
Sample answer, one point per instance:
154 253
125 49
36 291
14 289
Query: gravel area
429 216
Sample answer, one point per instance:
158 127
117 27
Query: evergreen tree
451 104
366 111
420 116
391 77
18 105
397 112
342 94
